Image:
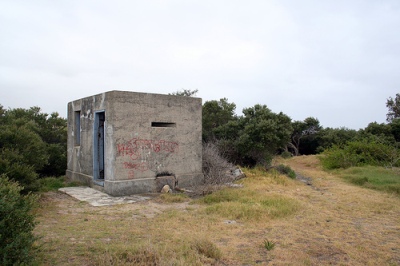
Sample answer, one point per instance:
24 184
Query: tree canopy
32 144
216 114
394 108
185 92
307 129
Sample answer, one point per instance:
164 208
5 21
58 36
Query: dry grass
329 223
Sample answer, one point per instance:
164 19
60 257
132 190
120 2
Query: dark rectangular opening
163 124
99 147
77 128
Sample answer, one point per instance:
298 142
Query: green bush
360 153
16 224
286 155
32 145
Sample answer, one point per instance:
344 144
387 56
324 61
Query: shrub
16 224
286 155
360 153
286 170
216 168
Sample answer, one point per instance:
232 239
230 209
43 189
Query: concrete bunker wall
81 116
145 136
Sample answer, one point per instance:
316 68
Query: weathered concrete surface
145 135
97 198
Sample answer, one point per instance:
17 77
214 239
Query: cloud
334 60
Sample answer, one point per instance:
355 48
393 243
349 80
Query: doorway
98 148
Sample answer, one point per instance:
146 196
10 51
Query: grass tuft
269 245
286 170
207 248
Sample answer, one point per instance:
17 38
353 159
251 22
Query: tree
304 129
216 114
2 112
382 131
263 134
184 92
395 129
22 154
327 137
394 108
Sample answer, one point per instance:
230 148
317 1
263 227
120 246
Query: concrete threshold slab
97 198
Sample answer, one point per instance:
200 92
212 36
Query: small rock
165 189
237 173
235 185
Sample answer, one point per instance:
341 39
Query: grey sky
335 60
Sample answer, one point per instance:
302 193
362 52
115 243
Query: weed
269 245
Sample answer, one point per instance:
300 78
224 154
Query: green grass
54 183
372 177
248 205
269 245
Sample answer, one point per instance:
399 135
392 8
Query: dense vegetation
33 145
259 134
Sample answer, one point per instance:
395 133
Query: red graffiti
142 153
137 148
138 166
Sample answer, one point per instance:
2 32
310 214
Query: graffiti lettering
136 148
145 154
138 166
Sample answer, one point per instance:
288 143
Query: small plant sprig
269 245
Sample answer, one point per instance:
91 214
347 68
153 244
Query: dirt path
341 223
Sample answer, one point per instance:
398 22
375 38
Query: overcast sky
336 60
